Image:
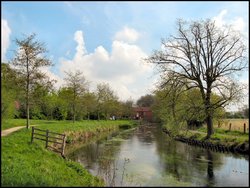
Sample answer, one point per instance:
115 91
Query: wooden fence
241 125
58 140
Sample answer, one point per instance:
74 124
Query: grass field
9 123
236 124
222 135
25 164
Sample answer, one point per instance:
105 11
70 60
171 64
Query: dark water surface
146 156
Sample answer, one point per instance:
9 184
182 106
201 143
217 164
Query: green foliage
145 101
220 136
175 110
46 103
7 104
107 100
9 92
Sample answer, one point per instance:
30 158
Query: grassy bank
230 139
26 164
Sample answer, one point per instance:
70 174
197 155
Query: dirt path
11 130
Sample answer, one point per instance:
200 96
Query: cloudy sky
107 41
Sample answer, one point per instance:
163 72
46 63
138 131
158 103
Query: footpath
11 130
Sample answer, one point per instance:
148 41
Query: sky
108 41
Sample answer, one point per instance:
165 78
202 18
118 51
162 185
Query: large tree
28 60
77 85
204 56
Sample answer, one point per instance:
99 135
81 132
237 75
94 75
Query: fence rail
58 140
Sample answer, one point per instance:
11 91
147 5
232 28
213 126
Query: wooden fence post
32 134
230 124
63 146
244 128
47 138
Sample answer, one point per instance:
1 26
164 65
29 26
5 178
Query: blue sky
105 39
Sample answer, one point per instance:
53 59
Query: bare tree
77 84
28 60
204 56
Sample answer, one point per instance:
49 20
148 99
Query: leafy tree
127 109
206 57
76 85
28 60
178 109
246 112
145 101
106 99
64 101
90 103
9 91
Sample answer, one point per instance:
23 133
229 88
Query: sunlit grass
26 164
220 136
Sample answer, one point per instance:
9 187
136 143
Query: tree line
29 93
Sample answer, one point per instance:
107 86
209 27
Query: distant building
144 113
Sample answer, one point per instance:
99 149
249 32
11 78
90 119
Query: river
146 156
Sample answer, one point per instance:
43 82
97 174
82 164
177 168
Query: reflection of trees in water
107 163
144 133
102 154
186 163
210 166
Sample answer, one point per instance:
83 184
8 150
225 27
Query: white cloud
5 36
80 49
219 20
59 81
122 68
129 35
237 23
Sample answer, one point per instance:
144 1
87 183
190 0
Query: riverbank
221 141
26 164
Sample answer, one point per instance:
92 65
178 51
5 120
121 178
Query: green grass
9 123
220 136
26 164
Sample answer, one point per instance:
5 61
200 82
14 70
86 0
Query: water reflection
148 157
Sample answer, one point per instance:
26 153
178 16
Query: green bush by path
26 164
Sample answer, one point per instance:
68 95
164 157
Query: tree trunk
28 115
209 122
98 115
210 171
27 104
74 106
74 114
209 117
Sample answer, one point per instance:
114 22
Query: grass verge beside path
9 123
26 164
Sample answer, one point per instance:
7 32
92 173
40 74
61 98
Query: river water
146 156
